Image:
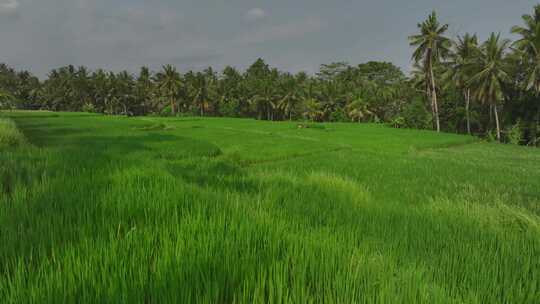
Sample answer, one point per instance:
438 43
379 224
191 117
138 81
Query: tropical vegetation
457 85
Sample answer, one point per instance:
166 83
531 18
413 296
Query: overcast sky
293 35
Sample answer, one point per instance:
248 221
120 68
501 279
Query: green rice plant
316 126
244 211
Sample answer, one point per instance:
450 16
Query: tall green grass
114 210
10 136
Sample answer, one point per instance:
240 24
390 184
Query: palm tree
332 96
111 99
265 98
431 48
358 110
99 89
420 82
313 110
169 83
289 103
528 47
491 65
201 87
459 70
125 89
144 89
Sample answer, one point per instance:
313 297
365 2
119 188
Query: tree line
488 88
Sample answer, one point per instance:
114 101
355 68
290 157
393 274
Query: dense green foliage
110 209
462 86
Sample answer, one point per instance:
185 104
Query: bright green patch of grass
10 136
113 209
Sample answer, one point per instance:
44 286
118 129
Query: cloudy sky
293 35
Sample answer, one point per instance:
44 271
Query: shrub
490 136
230 109
166 111
398 122
515 134
416 116
89 108
339 116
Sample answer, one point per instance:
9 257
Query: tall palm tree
488 82
144 89
289 103
332 96
265 98
459 70
528 47
99 89
201 87
124 90
169 83
431 48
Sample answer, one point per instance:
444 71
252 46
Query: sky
293 35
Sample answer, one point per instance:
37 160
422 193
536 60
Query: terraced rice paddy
112 209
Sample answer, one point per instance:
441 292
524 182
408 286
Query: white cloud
8 6
255 14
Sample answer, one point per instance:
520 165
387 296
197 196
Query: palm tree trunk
173 110
490 116
428 93
467 107
434 97
497 122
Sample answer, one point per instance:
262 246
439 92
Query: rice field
101 209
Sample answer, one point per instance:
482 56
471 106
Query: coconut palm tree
124 90
331 95
313 110
290 100
431 48
358 110
169 82
459 70
99 89
491 65
528 47
144 89
202 87
265 98
420 81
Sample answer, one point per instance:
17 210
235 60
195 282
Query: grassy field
162 210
